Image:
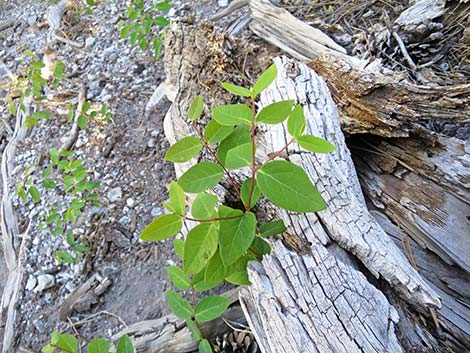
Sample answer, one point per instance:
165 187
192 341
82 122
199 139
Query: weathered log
370 98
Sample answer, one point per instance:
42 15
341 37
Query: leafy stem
216 158
253 167
213 219
273 156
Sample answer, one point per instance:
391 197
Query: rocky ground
125 155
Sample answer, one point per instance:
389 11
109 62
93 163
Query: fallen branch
73 134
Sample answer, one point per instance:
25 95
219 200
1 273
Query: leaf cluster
66 343
145 23
226 239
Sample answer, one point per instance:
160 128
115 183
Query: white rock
89 42
114 194
31 283
44 282
130 202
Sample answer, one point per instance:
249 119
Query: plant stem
213 219
216 158
253 167
275 155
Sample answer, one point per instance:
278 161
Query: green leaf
265 79
236 236
288 186
210 307
125 345
199 247
215 132
196 108
161 21
98 345
178 244
90 2
85 107
272 228
239 136
35 194
192 327
54 156
178 277
315 144
199 283
204 206
163 6
200 177
162 227
55 337
215 270
46 172
41 115
275 113
260 247
184 150
48 348
82 121
67 343
238 90
178 305
63 255
80 173
296 121
37 65
232 114
236 273
245 192
205 346
177 199
239 157
59 70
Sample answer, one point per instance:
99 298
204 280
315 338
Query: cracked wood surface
370 98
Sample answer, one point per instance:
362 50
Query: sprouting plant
70 178
226 239
65 343
145 23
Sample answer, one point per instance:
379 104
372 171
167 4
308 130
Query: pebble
44 282
31 283
114 194
130 202
32 19
151 143
89 42
156 211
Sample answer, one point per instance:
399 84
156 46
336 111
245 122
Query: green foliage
65 343
144 24
226 239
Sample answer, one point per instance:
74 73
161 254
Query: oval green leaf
177 199
236 273
98 345
195 110
178 305
315 144
67 343
210 307
236 236
245 192
178 277
275 113
200 177
205 346
125 345
178 245
204 206
192 327
199 247
238 90
296 121
215 132
272 228
185 149
232 114
239 157
239 136
35 194
287 185
162 227
199 283
265 79
215 270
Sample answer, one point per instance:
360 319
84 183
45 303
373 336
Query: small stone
156 211
44 282
151 143
31 283
223 3
130 202
114 194
39 325
89 42
124 220
32 19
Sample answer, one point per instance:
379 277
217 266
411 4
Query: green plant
226 238
144 24
70 178
65 343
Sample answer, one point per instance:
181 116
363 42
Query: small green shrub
144 24
226 239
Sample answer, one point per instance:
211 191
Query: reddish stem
277 154
253 167
216 158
